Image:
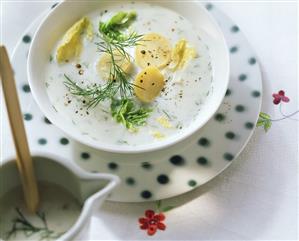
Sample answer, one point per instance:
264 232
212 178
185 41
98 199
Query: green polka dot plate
179 168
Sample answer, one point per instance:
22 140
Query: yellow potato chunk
71 43
105 64
148 84
153 50
181 54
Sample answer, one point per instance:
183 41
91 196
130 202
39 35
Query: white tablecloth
256 197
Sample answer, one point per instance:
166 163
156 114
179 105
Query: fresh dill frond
114 43
109 45
93 93
111 34
168 116
119 77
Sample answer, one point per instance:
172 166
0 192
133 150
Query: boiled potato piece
105 64
153 50
181 54
71 44
148 84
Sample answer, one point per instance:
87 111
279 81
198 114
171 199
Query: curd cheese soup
130 74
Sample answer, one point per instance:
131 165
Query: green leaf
267 125
264 116
265 121
167 208
260 122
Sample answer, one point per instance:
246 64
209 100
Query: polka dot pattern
85 155
42 141
28 117
228 156
219 117
240 108
228 92
130 181
163 179
233 49
113 166
26 39
252 61
235 29
177 160
209 6
204 142
192 183
242 77
256 93
202 160
146 165
47 121
230 135
249 125
146 194
26 88
150 178
64 141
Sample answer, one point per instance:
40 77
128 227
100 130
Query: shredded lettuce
125 112
118 22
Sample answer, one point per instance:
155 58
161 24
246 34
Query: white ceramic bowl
66 13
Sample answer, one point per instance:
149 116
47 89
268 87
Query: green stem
287 116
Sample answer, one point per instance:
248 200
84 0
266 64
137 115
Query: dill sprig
119 81
108 44
116 73
115 44
22 224
94 94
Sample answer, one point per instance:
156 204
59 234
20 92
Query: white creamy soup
174 108
58 211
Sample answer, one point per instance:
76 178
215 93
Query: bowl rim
129 149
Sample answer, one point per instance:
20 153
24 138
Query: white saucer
177 169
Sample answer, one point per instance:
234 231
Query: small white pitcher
90 189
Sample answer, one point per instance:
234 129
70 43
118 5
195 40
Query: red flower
280 97
151 222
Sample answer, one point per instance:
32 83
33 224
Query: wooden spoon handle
24 161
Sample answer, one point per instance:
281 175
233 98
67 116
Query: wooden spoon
24 161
